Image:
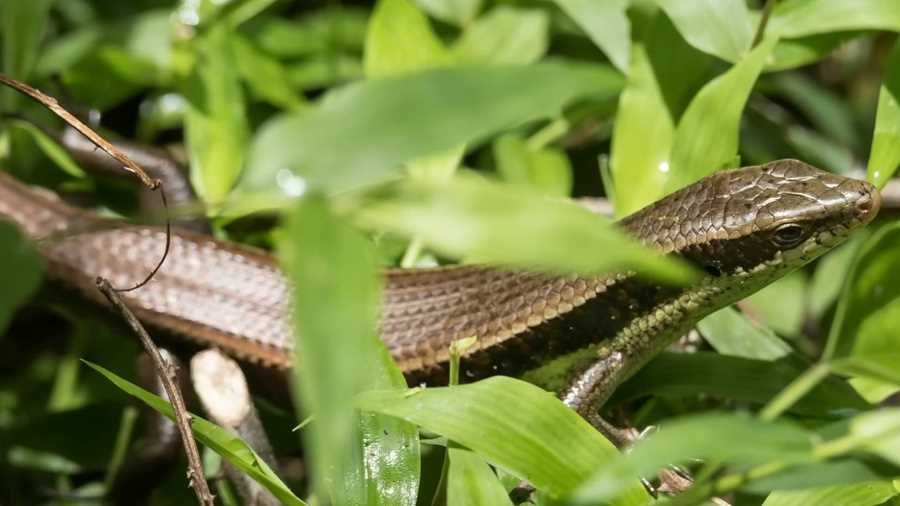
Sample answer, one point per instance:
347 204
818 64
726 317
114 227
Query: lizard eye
788 235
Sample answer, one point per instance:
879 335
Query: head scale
765 219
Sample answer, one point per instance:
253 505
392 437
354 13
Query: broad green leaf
884 158
399 40
726 438
879 433
682 375
858 494
873 287
642 138
333 28
781 304
545 170
839 472
488 222
504 36
337 355
230 447
345 142
732 333
54 151
798 18
471 482
606 24
23 23
792 53
718 27
535 436
21 271
265 75
216 123
457 12
706 138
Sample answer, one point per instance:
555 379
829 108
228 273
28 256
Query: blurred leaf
492 223
21 271
727 438
682 375
324 71
471 482
546 170
798 18
840 472
535 436
400 39
23 23
606 24
230 447
828 112
337 355
793 53
718 27
879 433
66 50
149 37
642 138
706 138
108 76
858 494
885 154
216 123
457 12
345 143
732 333
873 287
54 151
818 149
265 75
330 29
504 36
781 304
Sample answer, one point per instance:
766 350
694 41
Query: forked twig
167 375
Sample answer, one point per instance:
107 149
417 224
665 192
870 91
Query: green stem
763 22
794 392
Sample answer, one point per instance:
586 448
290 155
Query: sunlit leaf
884 157
606 24
471 482
718 27
546 170
504 36
706 138
731 333
488 222
858 494
400 39
234 450
345 142
879 433
458 12
798 18
50 148
534 436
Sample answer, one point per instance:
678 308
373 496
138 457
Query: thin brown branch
168 377
53 105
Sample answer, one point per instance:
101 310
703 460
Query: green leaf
471 482
66 50
345 143
781 304
504 36
23 24
333 28
545 170
606 24
707 135
793 53
265 75
230 447
879 433
732 333
884 158
535 436
492 223
642 138
727 438
54 151
216 123
798 18
718 27
21 271
858 494
457 12
827 111
108 76
400 39
831 275
681 375
337 355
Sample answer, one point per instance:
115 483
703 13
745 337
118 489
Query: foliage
432 131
